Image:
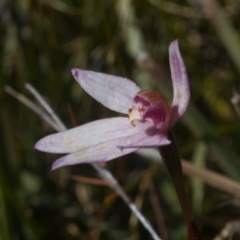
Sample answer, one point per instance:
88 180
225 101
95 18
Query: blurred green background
41 40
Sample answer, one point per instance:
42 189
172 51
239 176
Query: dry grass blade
88 180
212 178
46 107
157 210
31 105
209 177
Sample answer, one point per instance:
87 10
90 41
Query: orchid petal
109 150
115 93
90 134
181 88
159 139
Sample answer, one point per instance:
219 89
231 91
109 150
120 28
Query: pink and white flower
149 117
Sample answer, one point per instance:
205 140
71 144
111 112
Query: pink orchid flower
149 117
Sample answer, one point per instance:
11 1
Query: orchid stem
172 161
187 213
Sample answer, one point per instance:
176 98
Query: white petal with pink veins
115 93
110 149
181 88
90 134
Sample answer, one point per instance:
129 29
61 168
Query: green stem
172 161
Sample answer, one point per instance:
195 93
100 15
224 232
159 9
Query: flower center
152 107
